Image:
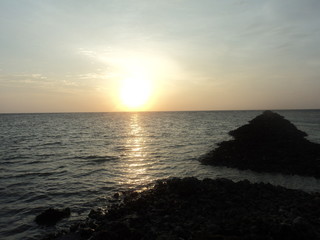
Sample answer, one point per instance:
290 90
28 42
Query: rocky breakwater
51 216
185 209
269 143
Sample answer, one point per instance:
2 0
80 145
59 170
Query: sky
158 55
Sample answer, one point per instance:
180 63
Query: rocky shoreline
204 209
269 143
220 209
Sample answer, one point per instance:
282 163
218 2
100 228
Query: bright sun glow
138 78
135 92
136 87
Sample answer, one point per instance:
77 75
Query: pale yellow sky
169 55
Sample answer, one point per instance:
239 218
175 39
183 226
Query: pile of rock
269 143
209 209
188 208
51 216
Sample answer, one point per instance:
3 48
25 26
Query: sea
80 160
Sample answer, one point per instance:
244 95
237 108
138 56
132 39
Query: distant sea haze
79 160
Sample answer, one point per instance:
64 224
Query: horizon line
225 110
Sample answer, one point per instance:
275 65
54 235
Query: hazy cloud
219 49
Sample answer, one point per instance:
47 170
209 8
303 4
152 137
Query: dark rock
74 227
268 127
86 232
269 143
51 216
215 209
96 214
185 187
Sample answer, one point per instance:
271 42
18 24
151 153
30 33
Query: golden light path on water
135 160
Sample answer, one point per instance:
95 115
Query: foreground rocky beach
204 209
220 209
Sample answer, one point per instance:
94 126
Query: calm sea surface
79 160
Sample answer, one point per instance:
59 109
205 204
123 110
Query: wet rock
74 227
51 216
269 143
96 214
214 209
185 187
86 232
116 195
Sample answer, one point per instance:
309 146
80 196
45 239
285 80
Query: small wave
122 148
37 197
15 185
93 159
88 173
51 143
65 193
16 230
36 174
31 174
156 155
43 155
177 146
33 162
15 157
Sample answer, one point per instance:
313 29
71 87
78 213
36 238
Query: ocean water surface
79 160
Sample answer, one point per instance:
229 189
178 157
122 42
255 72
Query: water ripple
78 160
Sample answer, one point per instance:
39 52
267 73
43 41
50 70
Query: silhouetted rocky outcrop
269 143
51 216
204 210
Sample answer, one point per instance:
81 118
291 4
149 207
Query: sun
136 86
135 93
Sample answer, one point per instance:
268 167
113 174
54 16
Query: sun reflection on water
135 163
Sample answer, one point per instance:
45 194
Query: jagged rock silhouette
269 143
